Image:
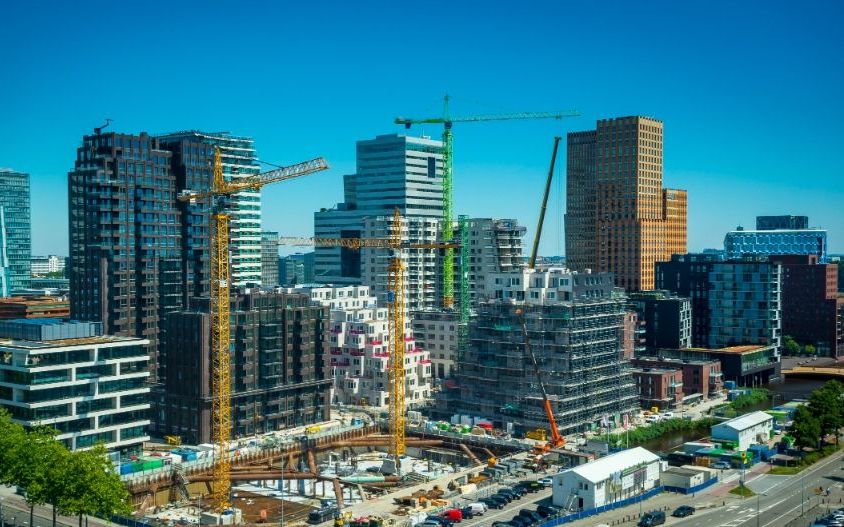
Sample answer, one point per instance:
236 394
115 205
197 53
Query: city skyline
757 146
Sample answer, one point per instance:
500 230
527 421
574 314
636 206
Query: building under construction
575 327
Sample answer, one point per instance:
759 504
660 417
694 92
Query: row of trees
823 415
793 348
80 483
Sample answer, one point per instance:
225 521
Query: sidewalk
16 513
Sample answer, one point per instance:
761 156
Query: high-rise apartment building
15 231
125 236
423 269
770 223
239 161
392 171
812 309
618 216
494 246
734 302
68 376
666 319
436 331
575 324
278 375
269 259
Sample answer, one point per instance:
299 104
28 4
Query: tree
805 428
35 466
809 349
827 404
791 347
11 436
93 488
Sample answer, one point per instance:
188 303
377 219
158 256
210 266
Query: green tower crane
448 178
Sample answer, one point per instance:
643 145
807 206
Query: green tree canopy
809 349
806 428
92 486
791 347
11 436
827 405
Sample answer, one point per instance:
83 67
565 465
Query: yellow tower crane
220 283
396 306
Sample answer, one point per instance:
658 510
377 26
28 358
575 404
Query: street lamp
757 507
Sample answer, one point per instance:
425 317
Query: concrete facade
436 331
358 342
495 246
89 386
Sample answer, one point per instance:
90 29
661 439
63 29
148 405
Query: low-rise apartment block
90 387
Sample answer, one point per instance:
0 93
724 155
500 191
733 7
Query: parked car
652 419
515 495
452 515
721 465
652 518
547 482
504 496
548 510
530 486
682 511
520 521
440 520
467 512
478 508
494 503
534 516
667 415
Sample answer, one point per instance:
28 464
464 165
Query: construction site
289 475
318 471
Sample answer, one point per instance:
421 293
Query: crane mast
220 278
448 186
396 303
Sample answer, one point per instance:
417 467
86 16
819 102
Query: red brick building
811 308
699 376
659 387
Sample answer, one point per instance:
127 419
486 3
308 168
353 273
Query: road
784 499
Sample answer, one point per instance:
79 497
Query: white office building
67 375
612 478
392 171
749 429
41 265
358 341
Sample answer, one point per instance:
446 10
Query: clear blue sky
750 93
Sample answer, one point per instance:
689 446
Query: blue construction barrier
598 510
129 522
691 490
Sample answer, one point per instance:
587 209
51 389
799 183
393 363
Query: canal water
782 393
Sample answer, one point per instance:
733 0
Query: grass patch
644 434
742 491
786 471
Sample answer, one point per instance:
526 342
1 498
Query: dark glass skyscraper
15 231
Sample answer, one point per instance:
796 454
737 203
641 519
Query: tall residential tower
618 217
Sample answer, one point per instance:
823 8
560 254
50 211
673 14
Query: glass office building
15 231
739 243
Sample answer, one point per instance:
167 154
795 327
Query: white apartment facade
494 246
41 265
549 286
90 387
359 349
436 331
